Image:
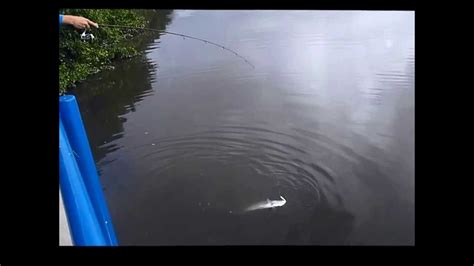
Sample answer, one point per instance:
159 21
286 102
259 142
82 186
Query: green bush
78 59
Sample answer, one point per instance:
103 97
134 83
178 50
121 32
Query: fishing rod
178 34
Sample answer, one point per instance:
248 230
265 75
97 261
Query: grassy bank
79 59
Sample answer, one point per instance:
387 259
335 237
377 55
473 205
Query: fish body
266 204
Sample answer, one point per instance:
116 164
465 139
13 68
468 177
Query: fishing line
181 35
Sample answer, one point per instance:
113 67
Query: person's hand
79 22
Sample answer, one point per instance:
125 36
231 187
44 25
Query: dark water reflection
188 135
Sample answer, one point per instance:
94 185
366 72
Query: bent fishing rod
176 34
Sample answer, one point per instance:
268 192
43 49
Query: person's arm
77 21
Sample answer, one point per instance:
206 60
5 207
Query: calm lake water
188 135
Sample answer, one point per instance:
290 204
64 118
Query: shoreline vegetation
80 59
